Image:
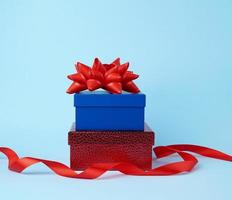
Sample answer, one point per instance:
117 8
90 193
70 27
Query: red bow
112 77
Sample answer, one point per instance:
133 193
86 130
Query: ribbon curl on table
113 77
17 164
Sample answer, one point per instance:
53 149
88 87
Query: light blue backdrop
181 49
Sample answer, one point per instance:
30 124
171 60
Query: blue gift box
101 110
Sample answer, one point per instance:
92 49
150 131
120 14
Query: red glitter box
89 147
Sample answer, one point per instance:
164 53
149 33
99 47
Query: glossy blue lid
106 99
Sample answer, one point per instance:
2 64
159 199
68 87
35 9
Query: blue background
182 51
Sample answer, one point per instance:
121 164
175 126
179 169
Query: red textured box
89 147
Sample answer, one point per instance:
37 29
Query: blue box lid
106 99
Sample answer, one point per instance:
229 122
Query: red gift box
89 147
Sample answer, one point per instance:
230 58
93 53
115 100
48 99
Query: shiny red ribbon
113 77
17 164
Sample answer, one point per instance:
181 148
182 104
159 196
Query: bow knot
113 77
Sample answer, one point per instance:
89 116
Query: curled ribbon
113 77
17 164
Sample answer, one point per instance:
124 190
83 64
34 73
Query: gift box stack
109 124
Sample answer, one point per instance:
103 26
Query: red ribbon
113 77
17 164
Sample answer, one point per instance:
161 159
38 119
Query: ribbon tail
203 151
189 161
